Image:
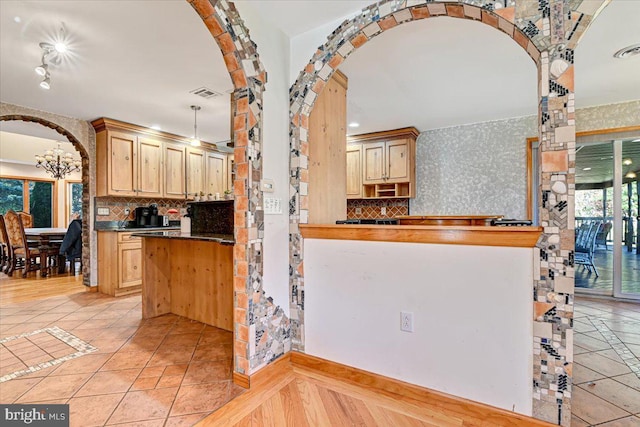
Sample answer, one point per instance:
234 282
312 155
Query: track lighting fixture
51 52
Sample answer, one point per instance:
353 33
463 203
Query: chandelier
58 163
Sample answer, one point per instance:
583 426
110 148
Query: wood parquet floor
301 397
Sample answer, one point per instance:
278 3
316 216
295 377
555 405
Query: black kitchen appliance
147 216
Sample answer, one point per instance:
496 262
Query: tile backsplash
372 209
117 206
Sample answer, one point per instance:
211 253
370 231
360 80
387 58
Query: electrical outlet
103 211
406 321
358 211
383 210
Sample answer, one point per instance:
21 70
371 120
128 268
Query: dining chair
5 247
27 219
24 257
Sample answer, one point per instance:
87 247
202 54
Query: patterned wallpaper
608 116
477 169
483 165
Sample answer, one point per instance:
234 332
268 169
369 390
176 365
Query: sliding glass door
607 212
627 206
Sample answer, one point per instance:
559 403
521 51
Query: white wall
471 307
273 48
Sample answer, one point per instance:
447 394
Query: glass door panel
628 169
594 219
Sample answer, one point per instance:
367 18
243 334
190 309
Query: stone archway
82 136
256 319
548 31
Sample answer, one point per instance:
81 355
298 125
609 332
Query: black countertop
224 239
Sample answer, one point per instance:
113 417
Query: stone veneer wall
476 169
492 156
81 134
261 329
549 31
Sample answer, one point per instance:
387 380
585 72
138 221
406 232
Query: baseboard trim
493 415
241 380
265 374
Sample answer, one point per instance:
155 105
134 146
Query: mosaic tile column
261 329
548 31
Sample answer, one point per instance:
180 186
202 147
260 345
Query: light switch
272 206
103 211
267 185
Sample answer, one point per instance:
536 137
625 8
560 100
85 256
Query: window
74 200
29 195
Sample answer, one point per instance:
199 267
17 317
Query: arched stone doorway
548 33
257 319
83 138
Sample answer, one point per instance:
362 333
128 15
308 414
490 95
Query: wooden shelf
387 191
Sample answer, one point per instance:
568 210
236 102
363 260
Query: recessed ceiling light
586 169
627 162
628 51
156 127
354 125
17 19
630 175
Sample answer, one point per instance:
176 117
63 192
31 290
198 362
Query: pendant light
195 141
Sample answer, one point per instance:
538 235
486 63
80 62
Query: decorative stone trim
82 136
548 30
261 329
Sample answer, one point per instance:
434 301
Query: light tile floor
606 371
170 371
166 371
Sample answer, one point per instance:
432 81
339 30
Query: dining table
48 241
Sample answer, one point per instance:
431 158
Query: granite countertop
138 230
224 239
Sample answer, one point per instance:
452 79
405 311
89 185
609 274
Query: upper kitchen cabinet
141 162
127 164
216 173
354 171
175 171
196 177
388 163
150 170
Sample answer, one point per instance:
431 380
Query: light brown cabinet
120 274
150 170
174 171
387 164
195 171
138 162
354 171
216 173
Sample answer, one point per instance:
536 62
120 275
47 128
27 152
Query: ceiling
598 159
138 61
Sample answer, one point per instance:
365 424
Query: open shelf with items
396 191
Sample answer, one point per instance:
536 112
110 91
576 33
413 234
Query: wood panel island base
188 275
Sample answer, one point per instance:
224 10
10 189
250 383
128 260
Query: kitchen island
188 274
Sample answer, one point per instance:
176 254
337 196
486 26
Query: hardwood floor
16 289
290 394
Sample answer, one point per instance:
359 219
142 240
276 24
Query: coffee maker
147 216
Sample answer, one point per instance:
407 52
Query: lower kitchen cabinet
119 263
